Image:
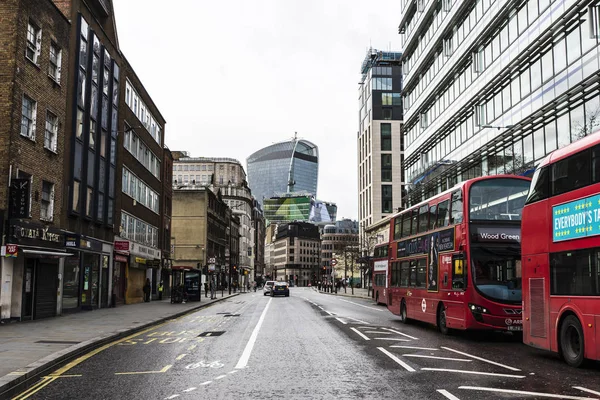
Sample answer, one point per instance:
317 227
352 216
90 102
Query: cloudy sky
231 77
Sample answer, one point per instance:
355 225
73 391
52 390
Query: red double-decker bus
561 253
455 259
379 266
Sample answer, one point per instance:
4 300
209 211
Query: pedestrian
205 289
160 290
147 290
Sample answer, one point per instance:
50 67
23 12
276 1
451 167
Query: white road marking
172 397
190 389
341 320
360 334
321 307
472 372
367 327
391 338
360 305
414 348
243 361
586 390
330 313
437 358
232 372
179 357
220 377
481 359
381 333
358 320
400 333
205 383
399 361
447 394
552 396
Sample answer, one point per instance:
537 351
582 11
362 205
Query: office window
386 167
55 62
51 131
28 114
387 113
34 43
47 202
386 99
386 198
386 137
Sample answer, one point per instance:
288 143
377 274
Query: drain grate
214 333
57 342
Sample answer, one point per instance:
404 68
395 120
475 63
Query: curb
12 384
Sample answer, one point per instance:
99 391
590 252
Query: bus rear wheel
403 314
571 341
441 320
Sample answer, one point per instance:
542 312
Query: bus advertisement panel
561 253
455 260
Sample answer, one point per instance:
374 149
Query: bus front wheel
571 341
442 320
403 315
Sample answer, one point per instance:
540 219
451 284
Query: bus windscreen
498 199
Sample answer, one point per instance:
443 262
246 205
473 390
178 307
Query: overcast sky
231 77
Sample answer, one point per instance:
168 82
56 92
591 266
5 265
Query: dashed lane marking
473 372
586 390
341 320
329 312
378 332
205 383
192 347
360 334
521 392
481 359
400 333
358 320
397 360
220 377
233 372
391 338
172 396
447 394
190 389
414 348
437 358
361 305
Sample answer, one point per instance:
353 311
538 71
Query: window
386 137
28 113
539 186
448 46
386 167
480 115
406 224
575 273
34 43
432 218
386 198
79 127
55 62
414 214
387 113
456 216
479 60
423 218
421 272
51 131
594 21
571 173
47 203
404 274
386 99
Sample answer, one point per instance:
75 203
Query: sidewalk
28 348
358 292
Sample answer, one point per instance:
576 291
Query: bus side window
459 272
443 218
596 164
432 217
456 211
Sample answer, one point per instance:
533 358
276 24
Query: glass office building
298 208
492 86
286 167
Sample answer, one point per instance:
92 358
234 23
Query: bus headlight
475 309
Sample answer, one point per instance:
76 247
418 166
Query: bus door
455 306
536 324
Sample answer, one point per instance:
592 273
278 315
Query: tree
590 124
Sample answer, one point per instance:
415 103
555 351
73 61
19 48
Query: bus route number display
576 219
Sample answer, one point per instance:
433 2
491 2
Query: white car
267 287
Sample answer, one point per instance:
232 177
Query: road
312 346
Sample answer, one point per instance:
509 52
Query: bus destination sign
576 219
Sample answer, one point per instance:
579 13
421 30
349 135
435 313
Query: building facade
380 143
297 207
491 87
140 212
339 241
285 167
258 222
226 176
296 252
35 69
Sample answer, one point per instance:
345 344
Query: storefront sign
19 198
72 241
120 258
497 235
25 233
441 241
76 241
576 219
144 251
121 245
140 260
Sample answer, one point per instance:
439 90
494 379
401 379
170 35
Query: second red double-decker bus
561 253
379 266
455 259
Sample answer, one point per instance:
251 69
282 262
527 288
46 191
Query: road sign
212 260
333 262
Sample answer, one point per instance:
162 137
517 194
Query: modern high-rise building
286 167
491 87
379 142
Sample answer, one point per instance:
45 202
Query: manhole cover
57 342
216 333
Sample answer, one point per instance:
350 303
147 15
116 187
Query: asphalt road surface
313 346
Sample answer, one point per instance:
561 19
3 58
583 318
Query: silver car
267 287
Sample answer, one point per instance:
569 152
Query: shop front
134 265
86 274
32 265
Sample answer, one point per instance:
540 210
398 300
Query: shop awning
47 253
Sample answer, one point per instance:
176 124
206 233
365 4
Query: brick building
34 70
